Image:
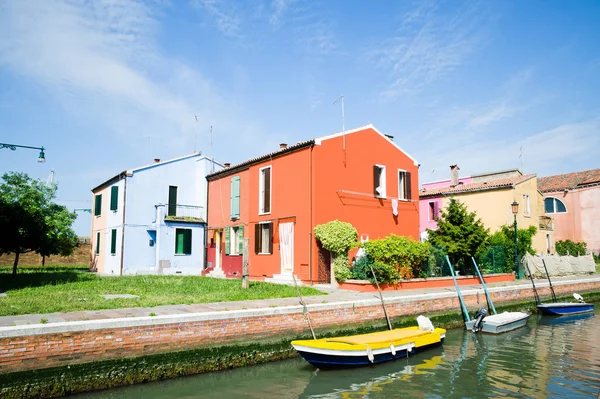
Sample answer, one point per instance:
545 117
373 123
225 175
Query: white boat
499 323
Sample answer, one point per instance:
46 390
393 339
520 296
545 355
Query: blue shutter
235 198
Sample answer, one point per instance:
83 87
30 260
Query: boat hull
367 349
565 308
501 323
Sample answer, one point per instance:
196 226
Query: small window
98 205
235 240
172 208
264 202
235 198
183 241
433 210
554 205
114 198
263 238
113 241
527 208
98 243
404 185
379 188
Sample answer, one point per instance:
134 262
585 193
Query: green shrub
568 247
361 270
338 237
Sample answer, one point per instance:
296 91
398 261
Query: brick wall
59 344
81 256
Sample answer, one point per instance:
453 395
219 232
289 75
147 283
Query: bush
340 268
568 247
597 259
361 270
338 237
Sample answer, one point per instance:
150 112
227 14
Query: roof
298 146
569 180
130 172
506 182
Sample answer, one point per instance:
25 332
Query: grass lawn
73 288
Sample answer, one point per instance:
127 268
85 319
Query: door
324 265
218 250
286 246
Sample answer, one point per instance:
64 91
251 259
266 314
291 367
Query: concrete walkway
334 295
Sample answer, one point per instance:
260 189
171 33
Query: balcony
545 223
184 213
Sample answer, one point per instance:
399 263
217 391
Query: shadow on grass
37 277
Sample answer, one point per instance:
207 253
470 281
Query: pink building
572 200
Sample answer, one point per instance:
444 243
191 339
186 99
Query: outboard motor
479 319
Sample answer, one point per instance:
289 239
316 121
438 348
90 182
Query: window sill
234 255
526 216
181 254
264 213
264 253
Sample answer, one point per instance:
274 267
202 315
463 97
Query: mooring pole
381 297
304 306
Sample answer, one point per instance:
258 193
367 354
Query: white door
286 245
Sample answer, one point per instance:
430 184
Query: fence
492 260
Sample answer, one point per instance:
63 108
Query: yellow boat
365 349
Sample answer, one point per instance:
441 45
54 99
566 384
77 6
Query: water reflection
551 357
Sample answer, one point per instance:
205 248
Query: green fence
492 260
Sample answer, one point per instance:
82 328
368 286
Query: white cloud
428 46
225 14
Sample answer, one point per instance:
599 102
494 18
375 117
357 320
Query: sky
108 85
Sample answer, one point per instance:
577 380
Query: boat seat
380 337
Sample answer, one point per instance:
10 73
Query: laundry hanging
394 206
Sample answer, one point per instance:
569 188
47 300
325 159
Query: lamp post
515 210
13 147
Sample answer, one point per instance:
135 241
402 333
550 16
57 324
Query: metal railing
179 212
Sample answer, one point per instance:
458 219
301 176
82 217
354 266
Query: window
263 238
404 185
98 205
527 208
235 198
183 241
554 205
98 243
234 240
113 241
264 202
379 181
172 209
433 210
114 198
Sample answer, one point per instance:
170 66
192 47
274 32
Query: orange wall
369 215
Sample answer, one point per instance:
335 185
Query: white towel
395 206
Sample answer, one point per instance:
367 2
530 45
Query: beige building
490 195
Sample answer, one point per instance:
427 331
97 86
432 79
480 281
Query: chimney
156 160
282 146
227 164
454 175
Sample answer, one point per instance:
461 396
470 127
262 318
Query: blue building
152 219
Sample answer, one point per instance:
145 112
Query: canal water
550 357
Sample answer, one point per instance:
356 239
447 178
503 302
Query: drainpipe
310 214
205 265
123 224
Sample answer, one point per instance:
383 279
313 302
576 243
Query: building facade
572 200
274 202
152 219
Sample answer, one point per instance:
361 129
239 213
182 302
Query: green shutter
97 243
187 242
114 198
113 241
227 240
179 239
172 210
240 239
98 205
235 198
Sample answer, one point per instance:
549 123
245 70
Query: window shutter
267 199
257 238
113 241
114 198
435 210
227 240
375 179
235 198
270 238
172 210
97 243
408 186
98 205
187 241
240 240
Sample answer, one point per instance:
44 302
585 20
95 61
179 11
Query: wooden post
245 282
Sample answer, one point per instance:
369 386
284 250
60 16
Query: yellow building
490 195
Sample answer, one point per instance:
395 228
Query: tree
338 237
31 220
461 233
505 238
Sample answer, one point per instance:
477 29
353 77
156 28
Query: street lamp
515 210
13 147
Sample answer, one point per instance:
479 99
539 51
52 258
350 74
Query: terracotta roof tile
465 188
568 180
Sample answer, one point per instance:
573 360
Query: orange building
274 201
